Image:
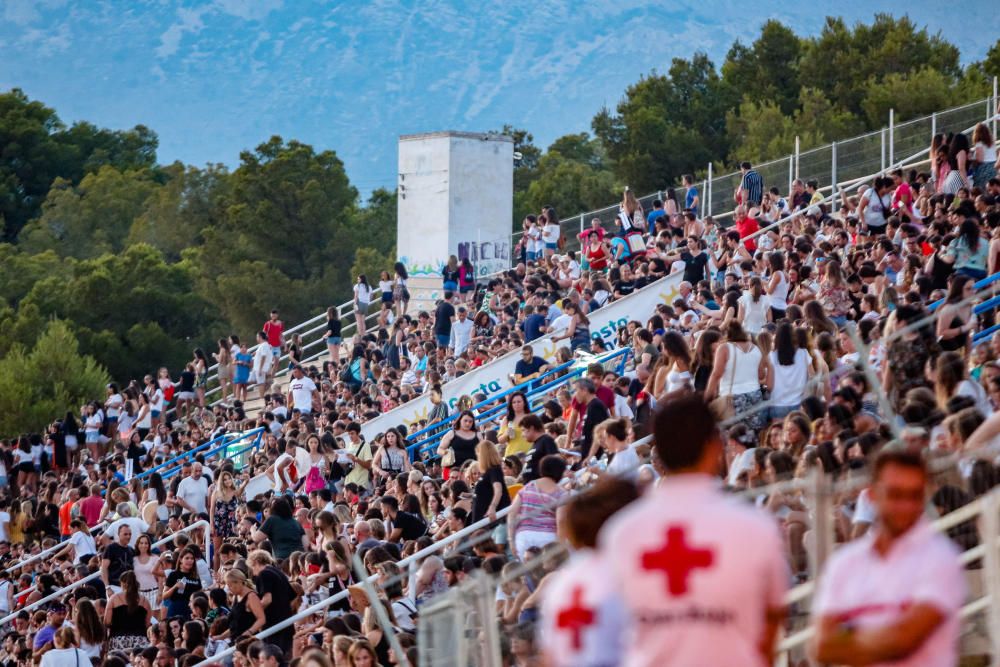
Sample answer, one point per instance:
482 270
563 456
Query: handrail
93 575
257 432
45 552
177 461
524 386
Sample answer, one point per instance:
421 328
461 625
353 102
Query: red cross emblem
575 618
677 560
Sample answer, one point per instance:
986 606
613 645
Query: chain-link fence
838 162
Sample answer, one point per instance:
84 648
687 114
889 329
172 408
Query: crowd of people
821 333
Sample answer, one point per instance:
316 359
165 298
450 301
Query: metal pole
892 122
882 135
797 155
833 176
706 195
791 173
989 525
822 535
996 112
486 602
933 129
704 188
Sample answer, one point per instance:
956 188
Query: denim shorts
334 340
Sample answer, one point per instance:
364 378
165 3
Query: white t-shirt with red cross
581 617
697 571
865 589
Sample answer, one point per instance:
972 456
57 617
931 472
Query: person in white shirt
192 492
550 236
135 524
82 542
894 595
461 331
65 653
300 391
263 360
582 619
701 575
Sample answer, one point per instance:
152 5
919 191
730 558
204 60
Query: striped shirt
538 508
753 184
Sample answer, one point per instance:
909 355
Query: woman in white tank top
738 371
753 308
777 286
679 363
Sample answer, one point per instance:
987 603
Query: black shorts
26 467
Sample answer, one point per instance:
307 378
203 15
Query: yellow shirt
360 475
516 444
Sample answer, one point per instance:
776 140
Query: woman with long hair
224 358
181 584
777 285
704 357
737 374
89 628
246 612
400 293
223 508
678 364
461 440
200 363
753 309
788 373
148 570
984 155
391 458
362 299
955 321
578 330
490 493
155 492
968 253
951 378
127 615
817 319
334 333
510 433
833 293
65 651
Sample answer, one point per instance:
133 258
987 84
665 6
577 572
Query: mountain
214 78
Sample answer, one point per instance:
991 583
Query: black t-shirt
411 525
187 585
272 580
333 327
187 381
596 413
524 368
484 493
121 561
625 287
541 448
442 318
694 266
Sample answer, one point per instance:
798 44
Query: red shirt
746 227
65 516
90 509
274 329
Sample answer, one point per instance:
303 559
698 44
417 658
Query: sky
216 77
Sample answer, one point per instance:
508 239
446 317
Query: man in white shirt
894 595
263 359
125 518
192 492
81 541
300 391
701 574
461 331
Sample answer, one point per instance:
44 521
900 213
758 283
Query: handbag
722 406
448 458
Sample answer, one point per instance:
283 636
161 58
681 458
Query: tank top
958 342
126 624
144 573
393 459
465 448
241 619
538 508
741 374
677 380
779 298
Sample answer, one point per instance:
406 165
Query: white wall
455 198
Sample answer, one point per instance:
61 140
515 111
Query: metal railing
94 575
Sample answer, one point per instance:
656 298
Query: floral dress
224 524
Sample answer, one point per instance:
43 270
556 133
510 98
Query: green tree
45 382
93 217
667 125
768 70
175 215
847 63
990 66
